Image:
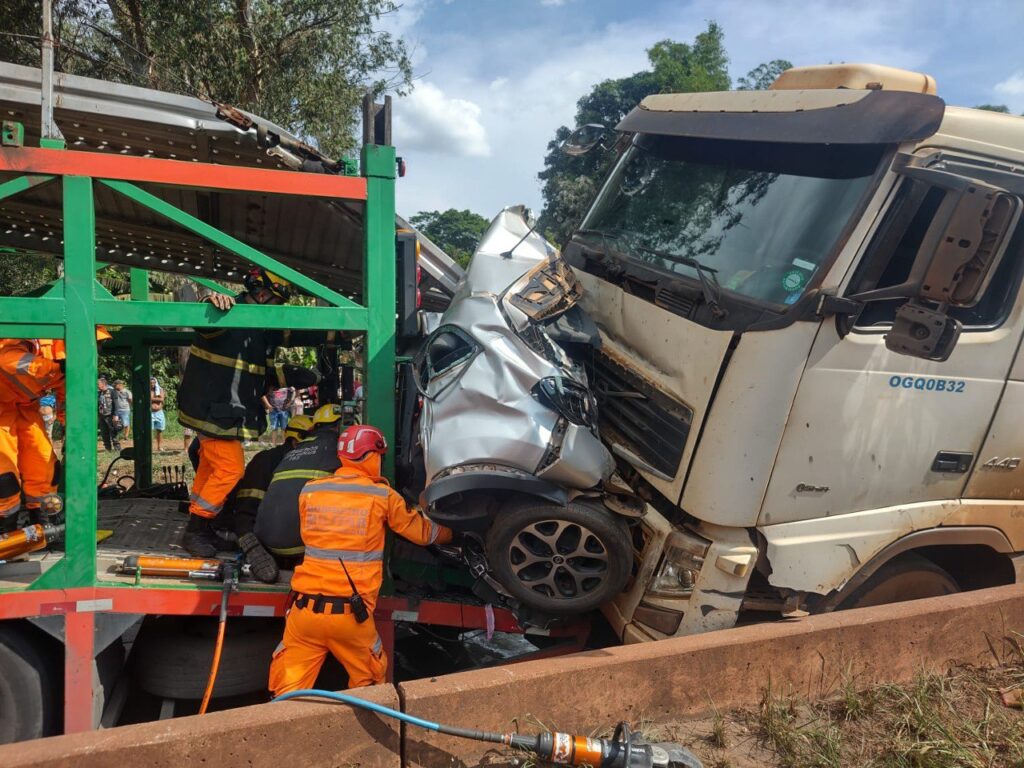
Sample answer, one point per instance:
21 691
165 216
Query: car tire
561 560
910 577
29 699
173 659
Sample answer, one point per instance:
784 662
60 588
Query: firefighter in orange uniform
343 520
28 464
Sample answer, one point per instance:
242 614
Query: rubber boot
9 523
199 539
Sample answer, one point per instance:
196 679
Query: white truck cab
810 312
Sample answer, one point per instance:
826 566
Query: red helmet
358 440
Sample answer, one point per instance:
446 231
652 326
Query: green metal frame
75 304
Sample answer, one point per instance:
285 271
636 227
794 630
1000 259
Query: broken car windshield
757 219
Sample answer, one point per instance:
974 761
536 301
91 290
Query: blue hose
361 704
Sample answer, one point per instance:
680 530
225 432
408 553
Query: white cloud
524 73
429 120
1011 90
553 2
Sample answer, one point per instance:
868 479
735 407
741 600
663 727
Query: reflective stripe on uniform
287 551
250 493
370 490
25 363
12 511
199 501
348 555
435 531
16 382
300 474
213 429
227 362
377 646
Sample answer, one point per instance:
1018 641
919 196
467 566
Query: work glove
264 567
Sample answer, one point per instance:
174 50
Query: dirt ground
969 718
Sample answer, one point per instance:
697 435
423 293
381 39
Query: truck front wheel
28 697
909 577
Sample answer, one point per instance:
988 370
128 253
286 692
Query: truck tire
561 560
909 577
173 660
28 697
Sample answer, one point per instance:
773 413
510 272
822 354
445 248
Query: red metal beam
78 656
65 162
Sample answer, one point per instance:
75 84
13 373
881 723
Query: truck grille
632 412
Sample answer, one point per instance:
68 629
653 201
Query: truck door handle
953 462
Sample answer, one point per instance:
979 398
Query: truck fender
992 538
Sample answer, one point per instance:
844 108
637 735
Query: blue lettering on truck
927 384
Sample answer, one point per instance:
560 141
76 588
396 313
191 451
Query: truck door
871 429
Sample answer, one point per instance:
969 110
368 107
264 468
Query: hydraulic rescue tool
38 536
624 749
29 539
179 567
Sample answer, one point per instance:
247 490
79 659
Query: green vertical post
142 420
378 164
80 443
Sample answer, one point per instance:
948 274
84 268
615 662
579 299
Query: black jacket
224 379
229 370
245 498
277 522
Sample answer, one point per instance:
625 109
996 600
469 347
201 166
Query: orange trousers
221 466
309 637
27 460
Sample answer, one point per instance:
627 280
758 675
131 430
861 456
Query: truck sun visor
875 117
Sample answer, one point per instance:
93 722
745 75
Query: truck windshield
760 219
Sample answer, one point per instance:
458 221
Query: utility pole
49 128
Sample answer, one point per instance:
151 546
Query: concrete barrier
680 677
641 683
288 735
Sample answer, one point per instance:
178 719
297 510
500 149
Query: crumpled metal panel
481 410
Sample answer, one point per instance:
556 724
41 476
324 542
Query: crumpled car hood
479 370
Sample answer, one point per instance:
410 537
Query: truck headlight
680 565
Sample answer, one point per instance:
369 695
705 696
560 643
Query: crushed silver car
509 429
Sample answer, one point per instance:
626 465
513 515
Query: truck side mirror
958 256
921 332
584 139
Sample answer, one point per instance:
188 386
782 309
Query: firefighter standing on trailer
28 463
219 398
343 520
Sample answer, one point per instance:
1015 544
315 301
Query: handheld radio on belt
356 601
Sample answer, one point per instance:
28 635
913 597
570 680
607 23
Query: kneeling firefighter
277 521
343 521
244 501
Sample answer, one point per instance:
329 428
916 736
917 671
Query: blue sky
495 78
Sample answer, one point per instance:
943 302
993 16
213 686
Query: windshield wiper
706 276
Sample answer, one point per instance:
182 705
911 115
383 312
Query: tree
763 75
570 183
994 108
303 64
455 232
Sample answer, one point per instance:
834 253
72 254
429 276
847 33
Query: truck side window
989 312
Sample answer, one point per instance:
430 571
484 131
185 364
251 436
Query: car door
871 429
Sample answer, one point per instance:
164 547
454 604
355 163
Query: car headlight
680 565
567 398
